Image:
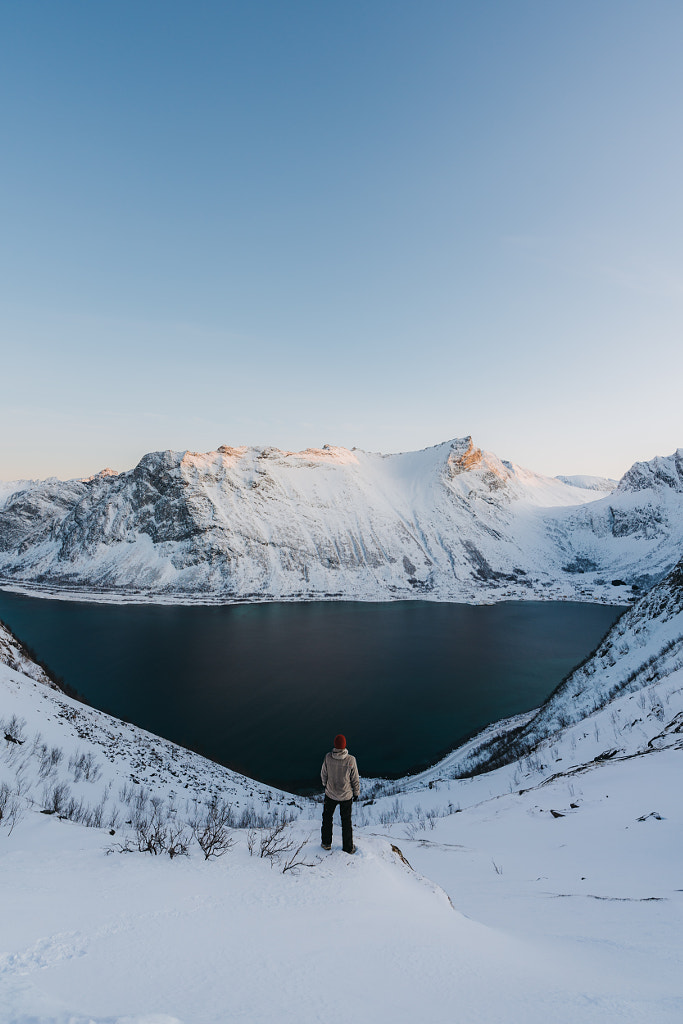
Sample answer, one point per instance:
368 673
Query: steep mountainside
642 651
636 533
449 523
18 658
91 768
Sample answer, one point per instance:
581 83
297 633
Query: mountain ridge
449 522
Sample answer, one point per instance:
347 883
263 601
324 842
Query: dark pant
347 828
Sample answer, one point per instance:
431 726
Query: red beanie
339 742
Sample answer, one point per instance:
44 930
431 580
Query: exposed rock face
464 458
450 523
659 473
636 533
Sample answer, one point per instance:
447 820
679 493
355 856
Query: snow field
566 918
596 893
563 919
229 940
550 889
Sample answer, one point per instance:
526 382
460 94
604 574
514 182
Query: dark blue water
265 688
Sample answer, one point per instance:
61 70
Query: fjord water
265 688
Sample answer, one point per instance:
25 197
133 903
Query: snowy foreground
571 919
547 890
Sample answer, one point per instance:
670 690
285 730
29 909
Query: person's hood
340 754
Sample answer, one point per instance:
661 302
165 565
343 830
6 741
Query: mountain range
451 523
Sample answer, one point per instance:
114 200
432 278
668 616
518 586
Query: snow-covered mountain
635 534
450 522
590 483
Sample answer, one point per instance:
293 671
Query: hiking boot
351 851
326 846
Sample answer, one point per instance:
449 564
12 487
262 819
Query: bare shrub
75 810
274 841
97 814
212 829
532 763
139 804
295 859
126 793
114 819
177 840
150 833
55 797
11 807
393 813
250 818
275 844
49 758
14 730
84 765
155 831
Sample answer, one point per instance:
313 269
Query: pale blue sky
380 224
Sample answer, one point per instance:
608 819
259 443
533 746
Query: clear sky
361 222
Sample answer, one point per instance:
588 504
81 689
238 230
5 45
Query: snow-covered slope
636 533
63 754
613 705
548 889
448 523
14 655
9 487
590 483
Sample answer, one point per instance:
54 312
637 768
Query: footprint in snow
44 953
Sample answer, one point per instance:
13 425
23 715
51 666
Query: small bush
393 814
212 829
11 807
84 766
156 832
55 797
277 846
14 730
274 842
48 759
295 859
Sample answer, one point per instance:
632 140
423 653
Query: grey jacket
339 774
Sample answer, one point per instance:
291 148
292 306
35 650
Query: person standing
339 775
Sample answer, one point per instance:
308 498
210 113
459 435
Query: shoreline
599 594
